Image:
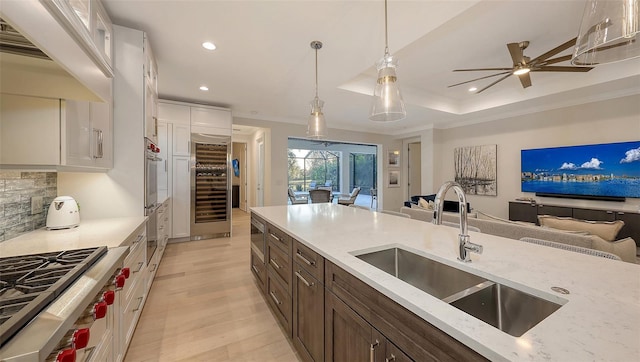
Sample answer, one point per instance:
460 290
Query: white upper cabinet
51 132
179 116
151 94
211 120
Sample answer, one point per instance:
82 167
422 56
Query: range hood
12 42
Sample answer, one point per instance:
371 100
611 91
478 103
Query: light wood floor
205 306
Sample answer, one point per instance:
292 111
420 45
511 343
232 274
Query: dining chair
318 196
374 197
351 198
296 200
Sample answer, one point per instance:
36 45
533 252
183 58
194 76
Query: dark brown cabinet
348 336
331 315
308 315
525 211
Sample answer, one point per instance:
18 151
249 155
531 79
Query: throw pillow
624 248
608 230
423 203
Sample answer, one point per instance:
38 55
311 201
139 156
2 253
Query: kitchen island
598 320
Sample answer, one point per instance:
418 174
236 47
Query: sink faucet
465 244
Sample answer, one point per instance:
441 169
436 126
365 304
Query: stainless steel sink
510 310
435 278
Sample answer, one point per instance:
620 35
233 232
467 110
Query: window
362 168
313 168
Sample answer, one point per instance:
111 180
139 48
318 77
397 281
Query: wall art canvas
475 169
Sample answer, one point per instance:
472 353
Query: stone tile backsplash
16 190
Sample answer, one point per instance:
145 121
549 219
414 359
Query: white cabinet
211 120
58 133
164 131
179 117
181 140
88 130
181 213
151 95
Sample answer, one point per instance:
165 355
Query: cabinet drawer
280 302
135 262
280 264
131 313
310 261
259 270
278 237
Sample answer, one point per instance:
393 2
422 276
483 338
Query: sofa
625 249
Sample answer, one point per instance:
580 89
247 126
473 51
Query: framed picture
394 178
475 169
393 158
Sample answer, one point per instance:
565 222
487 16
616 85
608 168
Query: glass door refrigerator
210 186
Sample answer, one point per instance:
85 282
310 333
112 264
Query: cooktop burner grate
28 283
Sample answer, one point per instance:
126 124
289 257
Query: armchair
295 200
320 195
350 199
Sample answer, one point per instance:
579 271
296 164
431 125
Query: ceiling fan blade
494 83
561 69
480 69
473 80
554 60
525 80
516 53
554 51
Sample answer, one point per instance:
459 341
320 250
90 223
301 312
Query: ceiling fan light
388 105
317 126
608 32
521 71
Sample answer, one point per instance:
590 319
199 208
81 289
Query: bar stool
374 197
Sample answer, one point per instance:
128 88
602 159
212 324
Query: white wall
616 120
276 166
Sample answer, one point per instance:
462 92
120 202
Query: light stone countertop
599 319
112 232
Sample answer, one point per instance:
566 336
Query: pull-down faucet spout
464 242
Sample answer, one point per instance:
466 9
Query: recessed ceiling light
209 45
204 88
473 89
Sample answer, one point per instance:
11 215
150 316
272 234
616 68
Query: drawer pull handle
275 299
275 237
391 358
620 213
139 305
255 269
138 239
272 261
303 279
372 351
307 261
154 267
140 265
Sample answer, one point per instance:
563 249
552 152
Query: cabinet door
163 166
348 337
210 117
555 210
102 134
181 213
594 215
29 130
77 125
308 315
150 119
519 211
174 113
181 139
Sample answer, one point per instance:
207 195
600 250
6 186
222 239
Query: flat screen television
609 171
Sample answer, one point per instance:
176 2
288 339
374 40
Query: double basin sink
510 310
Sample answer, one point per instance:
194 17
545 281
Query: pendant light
317 127
608 33
387 101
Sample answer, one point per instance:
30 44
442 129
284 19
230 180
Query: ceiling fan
523 65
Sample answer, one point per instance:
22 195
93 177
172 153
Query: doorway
414 169
260 178
239 175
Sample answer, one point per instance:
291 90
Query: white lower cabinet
181 218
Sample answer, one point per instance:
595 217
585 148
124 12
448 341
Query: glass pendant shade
608 33
387 104
317 127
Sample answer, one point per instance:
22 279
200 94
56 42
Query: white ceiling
264 67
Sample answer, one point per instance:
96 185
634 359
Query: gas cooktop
28 283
